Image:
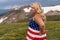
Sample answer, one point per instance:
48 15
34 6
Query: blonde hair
39 10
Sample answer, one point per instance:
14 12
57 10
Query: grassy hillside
17 31
53 18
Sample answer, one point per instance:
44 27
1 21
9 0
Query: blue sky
7 4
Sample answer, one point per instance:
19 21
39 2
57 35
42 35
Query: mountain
52 13
51 8
16 15
23 13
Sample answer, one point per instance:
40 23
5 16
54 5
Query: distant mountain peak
16 15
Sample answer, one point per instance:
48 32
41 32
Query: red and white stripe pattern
34 35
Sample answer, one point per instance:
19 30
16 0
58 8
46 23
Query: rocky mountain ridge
21 14
15 15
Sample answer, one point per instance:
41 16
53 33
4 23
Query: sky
8 4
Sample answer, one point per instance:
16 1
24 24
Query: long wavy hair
39 10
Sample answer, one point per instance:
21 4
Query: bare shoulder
38 19
37 16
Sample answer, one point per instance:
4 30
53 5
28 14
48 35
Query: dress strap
33 18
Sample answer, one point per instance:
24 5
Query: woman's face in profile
33 10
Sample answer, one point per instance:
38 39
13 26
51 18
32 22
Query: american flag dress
33 31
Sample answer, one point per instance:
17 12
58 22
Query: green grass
53 32
17 31
14 31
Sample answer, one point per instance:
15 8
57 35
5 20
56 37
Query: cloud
11 6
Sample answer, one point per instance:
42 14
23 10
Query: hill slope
16 15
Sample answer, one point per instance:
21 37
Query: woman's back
33 24
34 31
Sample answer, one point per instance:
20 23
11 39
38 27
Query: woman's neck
36 14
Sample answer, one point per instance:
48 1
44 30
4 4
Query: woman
36 29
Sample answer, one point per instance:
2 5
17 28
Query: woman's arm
40 22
